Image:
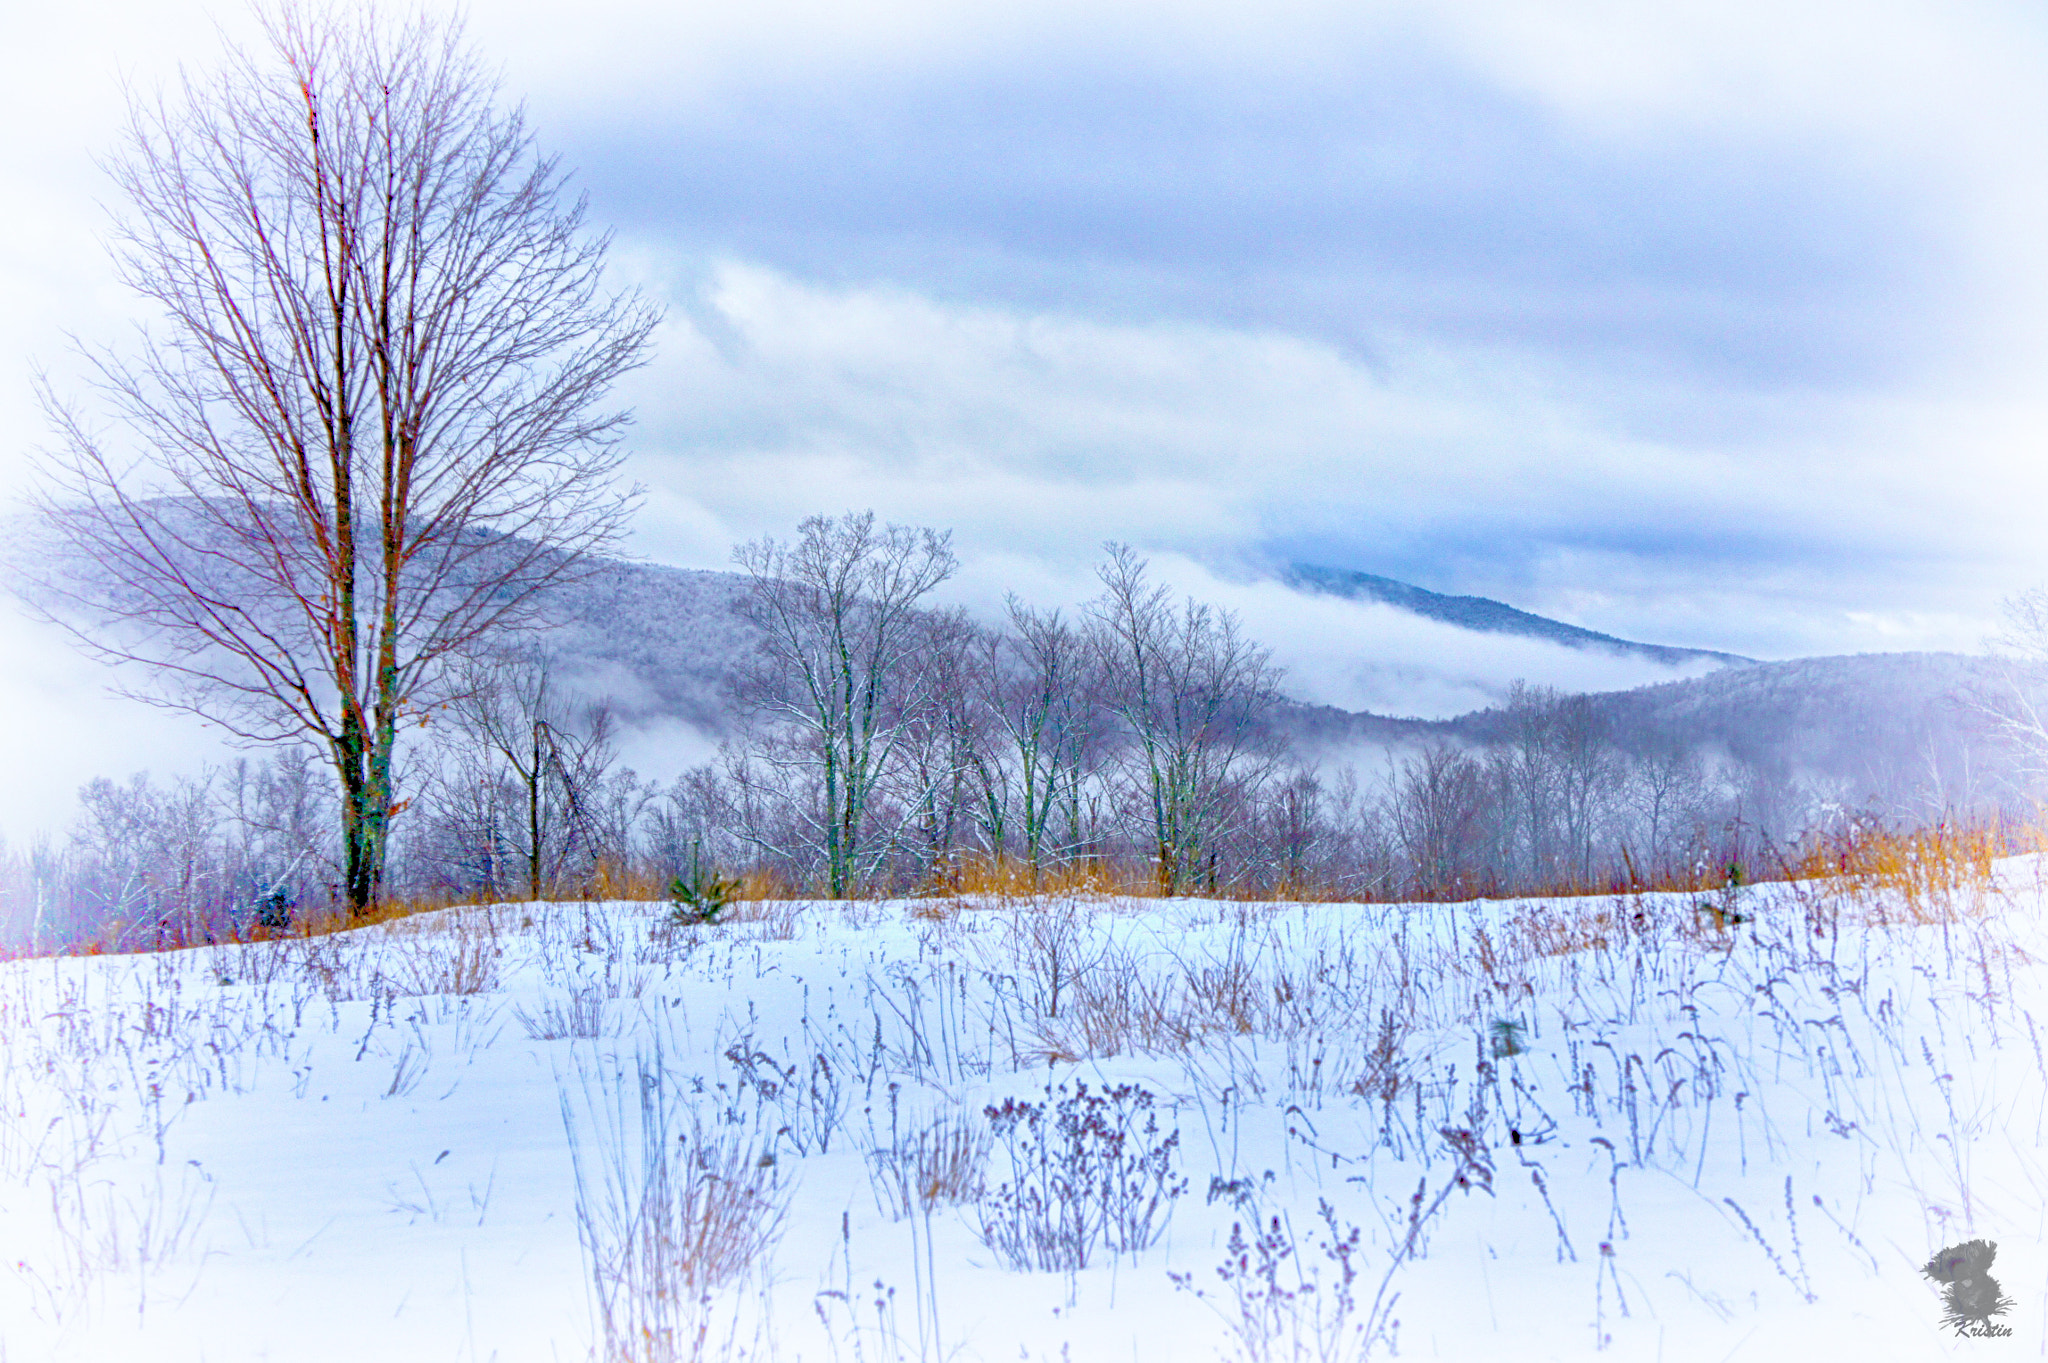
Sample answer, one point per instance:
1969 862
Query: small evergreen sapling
702 894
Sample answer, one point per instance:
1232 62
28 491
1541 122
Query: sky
1718 325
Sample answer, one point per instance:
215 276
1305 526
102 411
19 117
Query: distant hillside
660 642
1885 726
1486 615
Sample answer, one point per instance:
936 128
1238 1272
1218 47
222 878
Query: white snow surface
1736 1143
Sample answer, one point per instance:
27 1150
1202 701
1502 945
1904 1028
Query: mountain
660 642
1895 727
1487 616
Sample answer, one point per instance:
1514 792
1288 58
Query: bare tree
841 675
282 809
1295 833
2015 705
1437 806
365 430
522 743
1192 694
149 857
943 740
1667 786
1589 773
1525 767
1041 690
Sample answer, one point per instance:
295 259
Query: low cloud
67 727
1357 655
1476 469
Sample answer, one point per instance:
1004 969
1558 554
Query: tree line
884 746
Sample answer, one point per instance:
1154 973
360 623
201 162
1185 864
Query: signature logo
1970 1294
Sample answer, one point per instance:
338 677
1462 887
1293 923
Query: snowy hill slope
1603 1128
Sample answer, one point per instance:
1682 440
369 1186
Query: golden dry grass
1938 874
940 1165
457 952
1002 879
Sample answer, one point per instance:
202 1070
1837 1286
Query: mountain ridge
1483 614
660 643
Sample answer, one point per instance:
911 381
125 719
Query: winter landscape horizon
895 681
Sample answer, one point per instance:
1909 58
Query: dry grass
1005 880
614 880
580 1015
1939 874
456 955
309 922
935 910
1868 875
1534 931
1114 1003
668 1212
940 1165
103 1236
1385 1066
779 919
715 1216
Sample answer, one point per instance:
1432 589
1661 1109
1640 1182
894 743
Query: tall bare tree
1525 768
842 677
938 774
1192 694
1042 694
1667 786
1437 805
365 428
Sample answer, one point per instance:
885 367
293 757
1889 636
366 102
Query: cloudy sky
1710 324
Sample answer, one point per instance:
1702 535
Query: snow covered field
1040 1130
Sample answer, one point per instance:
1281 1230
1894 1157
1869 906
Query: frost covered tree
1438 808
1191 694
837 692
363 429
1044 737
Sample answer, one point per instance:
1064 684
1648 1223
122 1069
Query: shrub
1096 1173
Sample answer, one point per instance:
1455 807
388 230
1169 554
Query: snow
358 1147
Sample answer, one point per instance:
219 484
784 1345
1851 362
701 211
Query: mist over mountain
1889 729
659 642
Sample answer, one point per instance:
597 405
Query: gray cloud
1401 190
1466 468
1715 326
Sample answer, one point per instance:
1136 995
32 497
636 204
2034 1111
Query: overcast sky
1718 325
